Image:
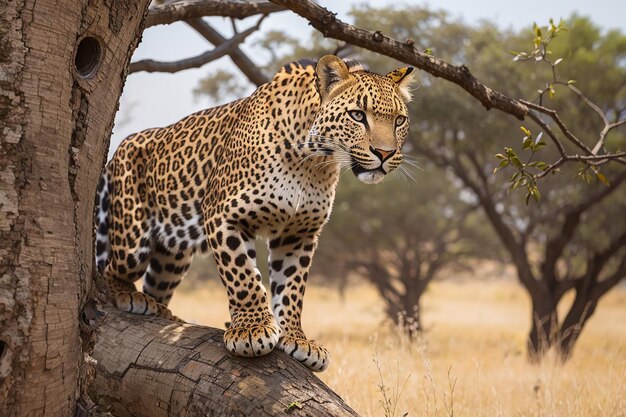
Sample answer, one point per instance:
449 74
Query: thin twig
555 116
603 133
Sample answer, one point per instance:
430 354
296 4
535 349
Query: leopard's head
363 120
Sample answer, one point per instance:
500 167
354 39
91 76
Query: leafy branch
592 159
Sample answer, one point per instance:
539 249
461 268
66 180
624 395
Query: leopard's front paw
308 352
251 336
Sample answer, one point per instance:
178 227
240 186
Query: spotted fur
267 166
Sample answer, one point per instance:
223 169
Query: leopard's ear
403 77
332 73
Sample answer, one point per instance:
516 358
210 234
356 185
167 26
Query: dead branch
225 48
153 367
240 59
168 13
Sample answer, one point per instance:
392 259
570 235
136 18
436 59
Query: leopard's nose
382 154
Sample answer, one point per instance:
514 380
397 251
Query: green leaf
526 131
535 192
527 143
501 165
516 161
510 152
294 405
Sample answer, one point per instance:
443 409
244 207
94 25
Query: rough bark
154 367
165 14
55 124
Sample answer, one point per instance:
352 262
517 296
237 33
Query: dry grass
471 361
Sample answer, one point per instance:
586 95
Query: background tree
400 236
549 243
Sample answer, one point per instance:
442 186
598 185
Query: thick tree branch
327 23
152 367
225 48
165 14
611 281
247 67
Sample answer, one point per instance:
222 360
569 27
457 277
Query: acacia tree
400 237
574 238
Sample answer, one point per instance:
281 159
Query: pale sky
157 99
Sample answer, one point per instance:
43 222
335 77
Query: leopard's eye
400 120
357 115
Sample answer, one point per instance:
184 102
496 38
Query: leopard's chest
291 199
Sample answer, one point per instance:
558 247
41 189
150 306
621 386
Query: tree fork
153 367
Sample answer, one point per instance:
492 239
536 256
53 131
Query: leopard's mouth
360 169
368 176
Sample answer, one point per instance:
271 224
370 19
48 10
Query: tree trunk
543 328
582 309
154 367
62 68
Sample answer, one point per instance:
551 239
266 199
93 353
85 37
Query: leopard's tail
103 220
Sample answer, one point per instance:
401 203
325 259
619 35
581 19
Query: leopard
265 166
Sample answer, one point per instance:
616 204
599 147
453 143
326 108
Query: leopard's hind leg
124 268
165 272
124 247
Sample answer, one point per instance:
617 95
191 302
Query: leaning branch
327 23
225 48
165 14
150 367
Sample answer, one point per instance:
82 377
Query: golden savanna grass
470 362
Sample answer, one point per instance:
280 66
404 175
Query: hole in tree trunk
88 56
